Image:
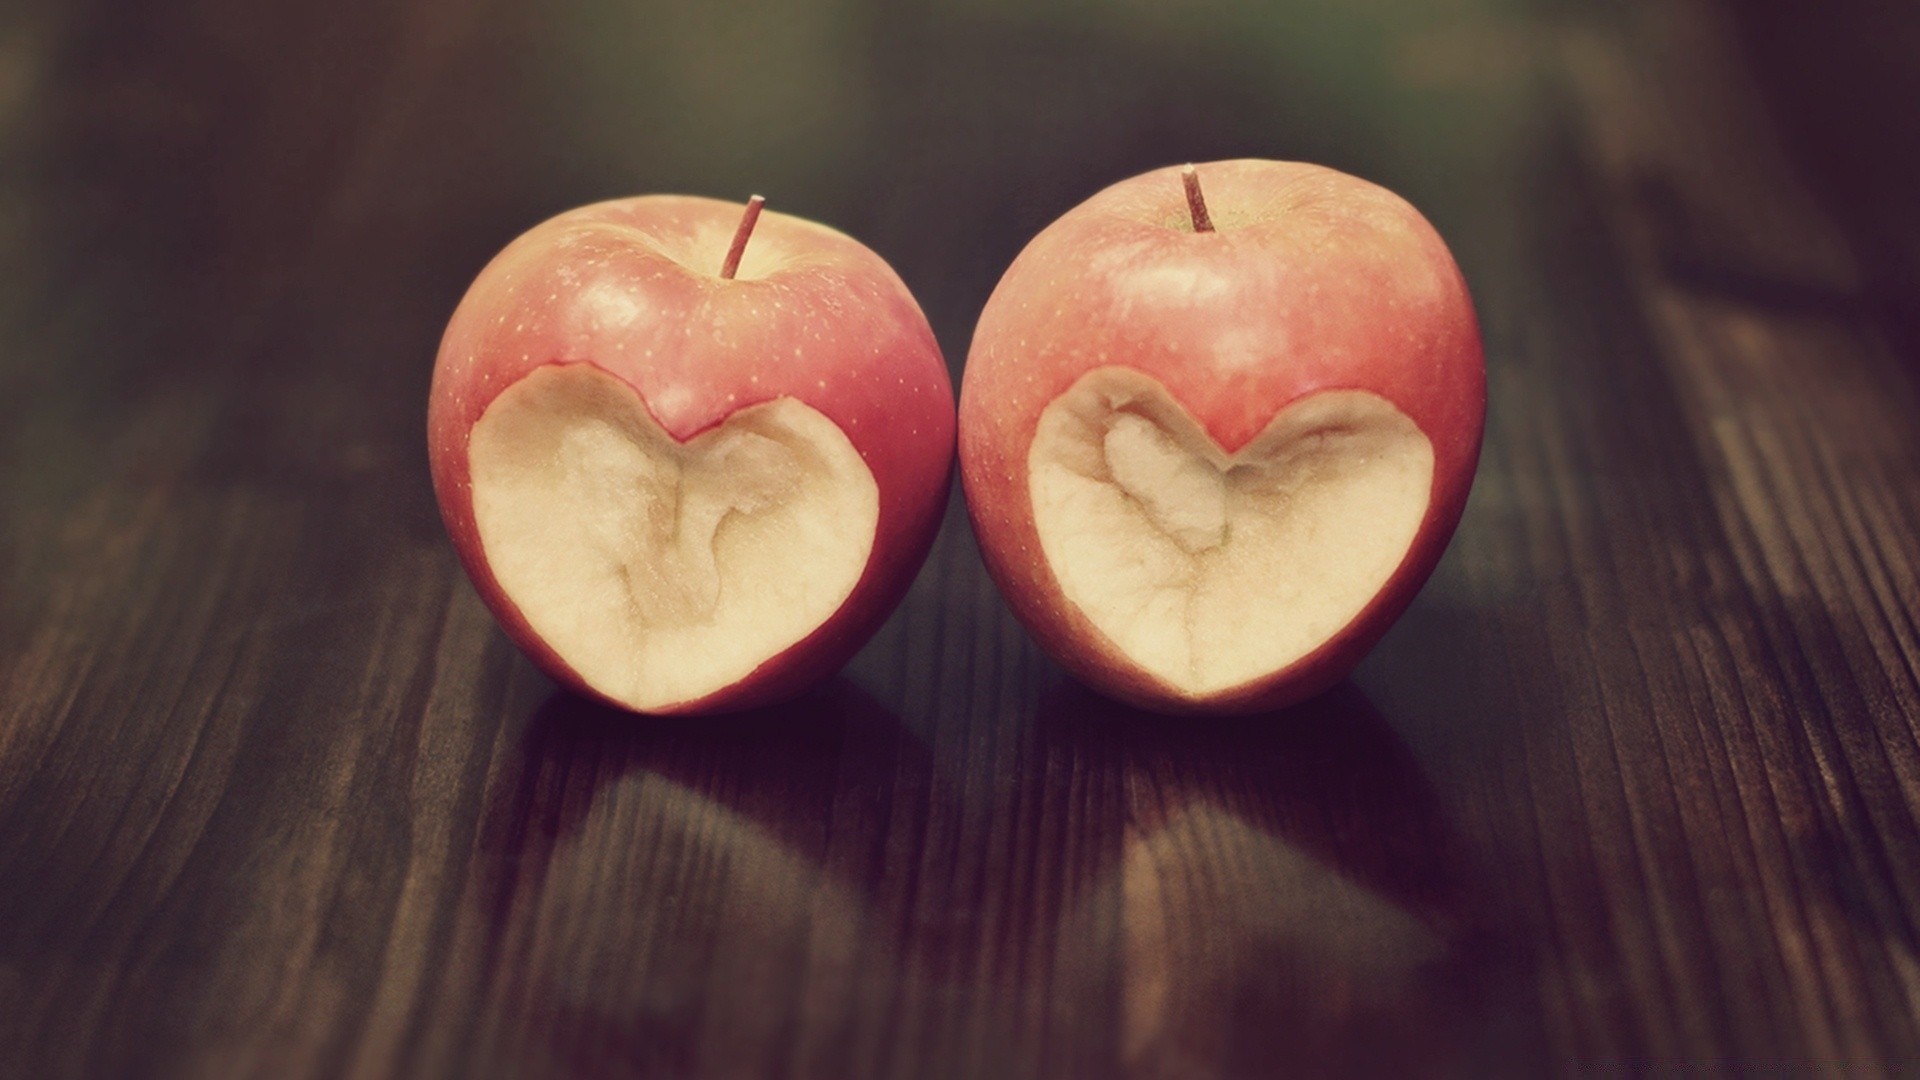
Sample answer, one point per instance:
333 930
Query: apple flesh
683 490
1212 449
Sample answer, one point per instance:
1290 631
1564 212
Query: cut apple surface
664 571
1211 569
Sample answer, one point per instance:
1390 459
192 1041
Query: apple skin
632 287
1315 280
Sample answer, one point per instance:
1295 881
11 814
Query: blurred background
369 156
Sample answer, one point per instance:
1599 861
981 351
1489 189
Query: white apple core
1207 569
663 571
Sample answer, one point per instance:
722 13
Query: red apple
689 475
1214 442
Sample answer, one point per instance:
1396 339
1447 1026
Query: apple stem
1196 202
740 235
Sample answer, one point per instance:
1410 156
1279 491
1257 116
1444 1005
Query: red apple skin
1314 280
632 287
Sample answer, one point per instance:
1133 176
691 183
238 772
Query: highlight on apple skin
691 454
1217 425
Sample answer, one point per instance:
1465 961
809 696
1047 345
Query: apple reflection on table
1152 893
1290 893
657 881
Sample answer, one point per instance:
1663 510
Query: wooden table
1635 780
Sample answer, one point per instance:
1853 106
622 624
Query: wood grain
1634 782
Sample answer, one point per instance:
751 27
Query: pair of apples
1215 429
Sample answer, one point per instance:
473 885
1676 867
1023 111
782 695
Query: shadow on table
781 888
781 765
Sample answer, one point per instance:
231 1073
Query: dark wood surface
1635 781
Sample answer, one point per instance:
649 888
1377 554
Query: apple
688 473
1217 426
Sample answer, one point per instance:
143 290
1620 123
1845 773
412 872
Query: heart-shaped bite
662 571
1206 569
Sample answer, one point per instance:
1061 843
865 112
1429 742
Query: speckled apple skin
632 288
1314 280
